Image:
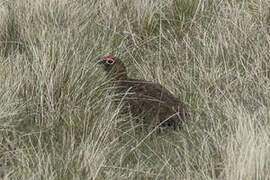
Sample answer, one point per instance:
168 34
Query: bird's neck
121 81
121 76
120 73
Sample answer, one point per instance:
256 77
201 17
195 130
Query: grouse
152 102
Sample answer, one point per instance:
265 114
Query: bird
149 101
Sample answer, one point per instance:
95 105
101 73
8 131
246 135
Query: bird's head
114 66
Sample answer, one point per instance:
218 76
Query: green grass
57 116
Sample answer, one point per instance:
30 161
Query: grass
57 115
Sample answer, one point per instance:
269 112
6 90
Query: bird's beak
100 61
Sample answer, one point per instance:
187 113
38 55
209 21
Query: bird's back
152 100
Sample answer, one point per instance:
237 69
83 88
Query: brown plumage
150 101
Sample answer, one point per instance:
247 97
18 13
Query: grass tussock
57 114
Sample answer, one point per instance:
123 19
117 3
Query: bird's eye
110 61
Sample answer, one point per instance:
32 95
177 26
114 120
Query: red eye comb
110 58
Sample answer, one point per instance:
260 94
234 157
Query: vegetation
57 116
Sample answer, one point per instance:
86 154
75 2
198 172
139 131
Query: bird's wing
155 92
